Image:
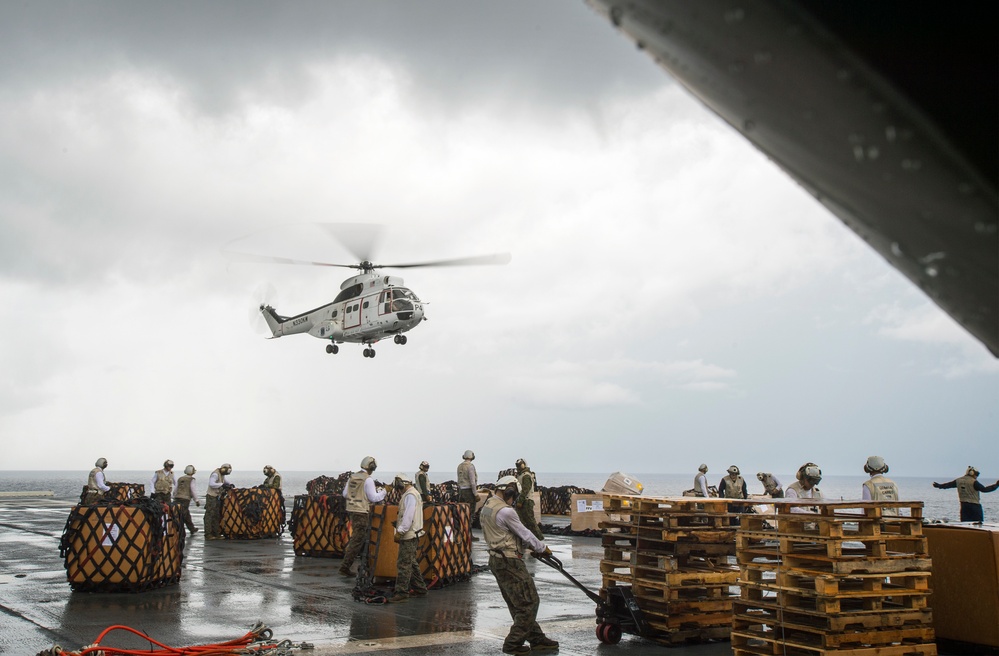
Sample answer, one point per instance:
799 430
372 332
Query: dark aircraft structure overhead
887 112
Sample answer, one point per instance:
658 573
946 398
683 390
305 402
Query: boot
545 644
398 598
519 649
345 571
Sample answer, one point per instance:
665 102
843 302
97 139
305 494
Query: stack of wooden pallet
678 556
848 578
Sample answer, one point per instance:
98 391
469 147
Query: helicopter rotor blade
361 239
495 258
236 256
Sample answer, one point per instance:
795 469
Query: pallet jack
617 614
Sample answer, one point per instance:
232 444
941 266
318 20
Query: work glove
520 504
397 537
197 503
936 485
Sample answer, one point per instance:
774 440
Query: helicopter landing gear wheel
609 634
369 353
332 348
400 339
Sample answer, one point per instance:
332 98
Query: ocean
938 504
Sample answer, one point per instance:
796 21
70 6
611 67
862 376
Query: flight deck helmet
101 462
424 466
876 465
168 464
468 455
369 464
190 470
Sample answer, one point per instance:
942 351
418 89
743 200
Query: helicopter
370 306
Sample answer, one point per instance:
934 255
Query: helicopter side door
351 313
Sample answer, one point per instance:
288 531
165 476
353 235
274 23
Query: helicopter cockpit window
351 292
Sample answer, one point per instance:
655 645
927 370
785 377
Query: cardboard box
586 511
965 581
621 483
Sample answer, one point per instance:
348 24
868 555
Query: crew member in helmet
360 493
733 486
163 483
187 492
701 482
217 485
423 482
506 538
408 529
272 479
771 485
468 483
97 486
809 475
525 498
879 487
968 492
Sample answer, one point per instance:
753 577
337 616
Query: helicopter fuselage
369 308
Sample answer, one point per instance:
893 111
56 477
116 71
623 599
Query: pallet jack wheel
609 634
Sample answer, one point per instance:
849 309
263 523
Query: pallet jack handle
556 564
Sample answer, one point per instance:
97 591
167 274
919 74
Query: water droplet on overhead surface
911 164
873 152
748 125
896 250
858 153
932 271
890 133
734 15
983 228
855 138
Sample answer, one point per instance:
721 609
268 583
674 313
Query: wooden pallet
740 648
774 613
840 641
887 601
834 585
877 547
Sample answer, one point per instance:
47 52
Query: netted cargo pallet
557 500
252 513
319 526
677 555
444 551
327 486
127 546
849 577
118 492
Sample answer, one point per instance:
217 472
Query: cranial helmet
424 466
971 471
402 480
760 476
505 483
810 472
702 468
875 465
521 464
226 468
369 463
268 470
733 470
167 464
190 470
101 462
468 455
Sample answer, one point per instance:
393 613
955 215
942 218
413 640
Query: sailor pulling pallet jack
506 536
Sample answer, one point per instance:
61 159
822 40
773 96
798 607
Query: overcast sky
672 297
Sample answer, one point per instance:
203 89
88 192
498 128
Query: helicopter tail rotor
264 295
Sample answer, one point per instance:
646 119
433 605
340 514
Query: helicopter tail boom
275 321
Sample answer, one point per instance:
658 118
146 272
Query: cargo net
326 486
319 526
446 492
252 513
118 492
557 500
130 546
446 547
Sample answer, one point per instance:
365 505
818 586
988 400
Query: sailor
186 492
408 529
468 483
272 479
809 475
97 487
733 486
163 483
968 492
527 484
360 493
879 487
423 482
217 484
506 538
771 485
701 482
